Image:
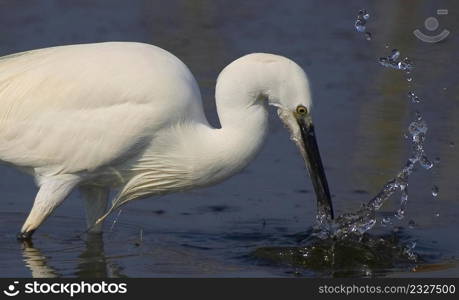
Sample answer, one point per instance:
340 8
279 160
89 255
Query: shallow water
361 115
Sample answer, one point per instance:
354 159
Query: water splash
365 256
359 222
435 191
394 55
364 219
393 61
368 36
343 243
409 251
413 97
360 23
386 221
115 220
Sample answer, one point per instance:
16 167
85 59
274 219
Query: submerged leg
95 200
52 193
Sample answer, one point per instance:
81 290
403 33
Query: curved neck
222 152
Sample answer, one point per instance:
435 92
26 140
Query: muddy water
361 112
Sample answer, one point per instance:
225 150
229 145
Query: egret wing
77 108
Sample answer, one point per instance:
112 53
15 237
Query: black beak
316 169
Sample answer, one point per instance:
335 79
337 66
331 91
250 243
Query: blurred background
361 112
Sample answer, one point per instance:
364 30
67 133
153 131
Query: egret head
292 98
284 84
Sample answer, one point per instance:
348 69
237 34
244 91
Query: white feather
130 115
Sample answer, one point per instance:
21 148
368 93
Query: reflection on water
91 262
367 255
248 250
37 262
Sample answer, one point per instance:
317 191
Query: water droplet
392 61
435 191
437 160
383 61
413 97
364 219
400 214
360 25
367 226
385 221
405 65
409 251
417 127
400 65
407 60
366 271
394 55
115 220
452 144
364 14
437 214
425 162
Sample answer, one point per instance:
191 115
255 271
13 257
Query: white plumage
129 116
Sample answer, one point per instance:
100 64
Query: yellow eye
301 110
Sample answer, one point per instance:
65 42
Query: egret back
78 108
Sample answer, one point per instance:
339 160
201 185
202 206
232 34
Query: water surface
361 113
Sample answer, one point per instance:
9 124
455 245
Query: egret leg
95 200
52 192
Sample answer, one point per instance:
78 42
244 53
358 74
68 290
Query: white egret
129 116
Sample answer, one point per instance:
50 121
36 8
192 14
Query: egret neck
242 106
